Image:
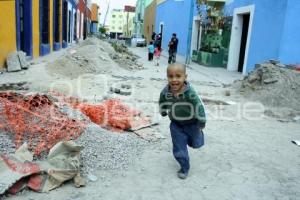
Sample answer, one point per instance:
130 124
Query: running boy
186 111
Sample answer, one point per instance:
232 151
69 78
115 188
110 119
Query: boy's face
176 78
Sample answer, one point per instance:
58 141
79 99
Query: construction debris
296 142
22 58
35 119
13 62
272 85
86 58
124 57
16 61
122 89
14 86
106 151
18 171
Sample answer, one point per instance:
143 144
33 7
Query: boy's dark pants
150 56
183 135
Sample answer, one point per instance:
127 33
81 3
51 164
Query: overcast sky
113 4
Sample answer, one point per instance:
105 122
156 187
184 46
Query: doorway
196 35
69 26
24 26
56 17
240 39
246 18
65 22
161 32
45 22
75 27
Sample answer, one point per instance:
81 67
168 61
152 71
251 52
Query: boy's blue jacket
184 109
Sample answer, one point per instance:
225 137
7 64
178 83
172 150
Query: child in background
157 53
150 51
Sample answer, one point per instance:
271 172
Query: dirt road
246 156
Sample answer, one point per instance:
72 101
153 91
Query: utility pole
106 13
127 23
189 41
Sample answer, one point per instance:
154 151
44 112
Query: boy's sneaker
181 174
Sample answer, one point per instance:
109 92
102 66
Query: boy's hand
201 125
164 113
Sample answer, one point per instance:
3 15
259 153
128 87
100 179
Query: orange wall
94 10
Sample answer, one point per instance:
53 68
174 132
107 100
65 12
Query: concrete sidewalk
210 74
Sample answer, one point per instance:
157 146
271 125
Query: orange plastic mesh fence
111 114
36 120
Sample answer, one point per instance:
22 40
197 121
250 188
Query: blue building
173 16
260 30
263 30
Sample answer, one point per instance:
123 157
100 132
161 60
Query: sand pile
91 56
272 84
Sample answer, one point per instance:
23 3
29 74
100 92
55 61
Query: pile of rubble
125 58
273 84
94 56
15 86
91 56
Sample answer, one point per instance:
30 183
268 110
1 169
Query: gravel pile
6 144
106 150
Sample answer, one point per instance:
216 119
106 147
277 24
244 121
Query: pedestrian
186 111
158 40
150 51
153 36
173 45
157 53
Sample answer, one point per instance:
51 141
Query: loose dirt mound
91 56
125 58
273 86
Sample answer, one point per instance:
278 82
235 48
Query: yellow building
7 29
117 19
31 26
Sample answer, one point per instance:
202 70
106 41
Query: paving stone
22 57
13 62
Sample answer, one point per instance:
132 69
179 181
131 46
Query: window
113 16
120 28
120 16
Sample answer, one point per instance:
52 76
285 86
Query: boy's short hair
182 66
151 42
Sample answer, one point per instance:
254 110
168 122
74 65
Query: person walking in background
153 37
173 45
158 40
157 53
150 51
